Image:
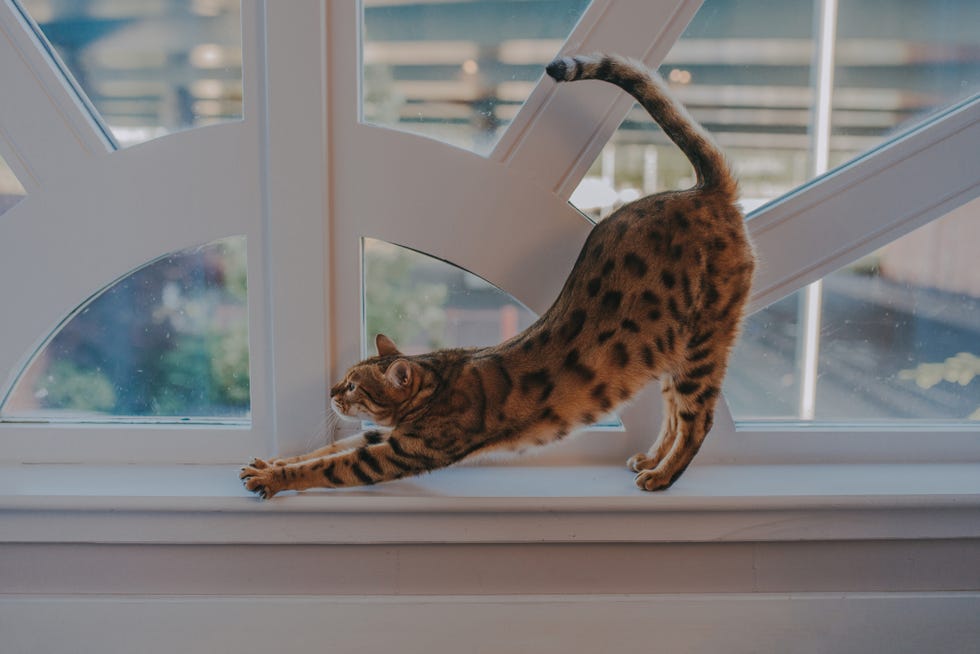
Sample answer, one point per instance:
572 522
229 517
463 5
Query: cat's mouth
339 410
349 413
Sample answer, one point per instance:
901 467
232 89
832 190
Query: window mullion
557 136
826 23
295 216
858 208
42 115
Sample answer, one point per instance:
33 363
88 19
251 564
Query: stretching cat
657 292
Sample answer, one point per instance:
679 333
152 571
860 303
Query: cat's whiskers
325 432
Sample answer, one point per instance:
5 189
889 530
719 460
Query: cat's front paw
258 477
258 464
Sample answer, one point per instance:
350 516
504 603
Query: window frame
301 149
72 531
268 188
554 160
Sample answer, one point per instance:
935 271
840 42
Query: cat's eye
350 387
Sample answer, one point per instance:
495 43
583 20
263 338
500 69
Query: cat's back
649 247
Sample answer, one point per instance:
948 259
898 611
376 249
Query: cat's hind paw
640 462
652 480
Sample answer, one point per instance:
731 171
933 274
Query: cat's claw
258 479
262 464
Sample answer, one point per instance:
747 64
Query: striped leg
398 456
668 433
350 443
693 403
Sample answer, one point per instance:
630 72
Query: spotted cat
657 292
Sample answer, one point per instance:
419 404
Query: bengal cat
657 292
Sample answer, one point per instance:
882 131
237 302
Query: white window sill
493 504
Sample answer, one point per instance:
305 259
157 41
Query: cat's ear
399 373
385 346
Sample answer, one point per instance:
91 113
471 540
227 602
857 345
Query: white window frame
300 177
264 180
538 163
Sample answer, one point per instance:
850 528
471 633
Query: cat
657 292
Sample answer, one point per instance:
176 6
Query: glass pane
458 71
168 341
897 337
425 304
11 190
898 61
744 71
149 68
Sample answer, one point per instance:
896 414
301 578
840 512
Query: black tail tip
558 69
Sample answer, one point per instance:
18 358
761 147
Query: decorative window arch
93 213
516 198
306 180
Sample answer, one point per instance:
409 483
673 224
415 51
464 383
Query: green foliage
233 257
66 385
204 374
405 309
171 339
183 385
229 366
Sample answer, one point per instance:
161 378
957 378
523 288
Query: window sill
514 504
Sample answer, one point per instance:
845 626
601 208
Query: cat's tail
649 89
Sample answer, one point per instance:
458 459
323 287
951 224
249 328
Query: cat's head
383 388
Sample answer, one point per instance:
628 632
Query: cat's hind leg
668 433
692 402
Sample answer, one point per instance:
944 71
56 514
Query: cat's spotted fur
656 293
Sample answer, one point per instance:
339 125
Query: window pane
425 304
168 341
149 68
744 71
898 337
898 61
11 190
458 71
